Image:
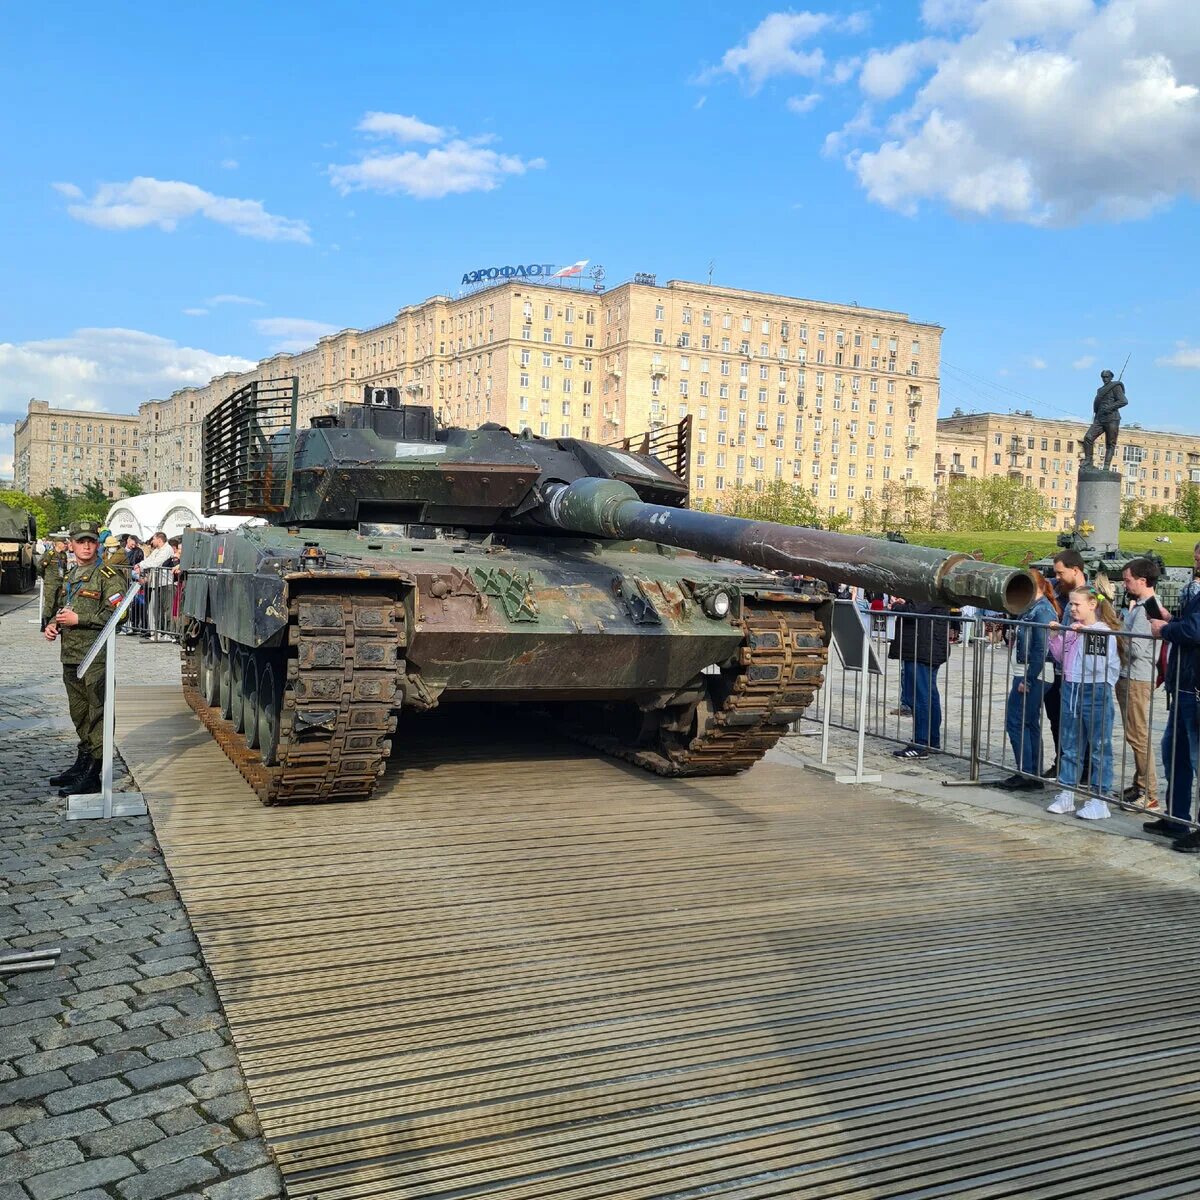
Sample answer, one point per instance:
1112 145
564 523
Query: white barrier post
864 680
40 601
100 804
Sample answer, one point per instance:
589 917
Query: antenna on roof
711 264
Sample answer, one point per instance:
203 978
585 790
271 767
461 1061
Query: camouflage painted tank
18 537
405 566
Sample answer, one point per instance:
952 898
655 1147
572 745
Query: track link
780 665
342 663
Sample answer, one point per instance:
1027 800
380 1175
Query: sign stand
102 804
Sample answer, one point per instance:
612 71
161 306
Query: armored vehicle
18 535
406 566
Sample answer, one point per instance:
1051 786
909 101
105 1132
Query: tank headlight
717 604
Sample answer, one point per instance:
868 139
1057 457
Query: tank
406 566
18 535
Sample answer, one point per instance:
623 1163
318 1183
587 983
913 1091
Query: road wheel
237 699
270 707
210 679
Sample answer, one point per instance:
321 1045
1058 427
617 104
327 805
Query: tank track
780 666
335 728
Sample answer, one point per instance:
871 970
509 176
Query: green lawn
1012 547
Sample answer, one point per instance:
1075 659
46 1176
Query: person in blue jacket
1023 713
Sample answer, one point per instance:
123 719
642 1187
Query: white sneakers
1093 810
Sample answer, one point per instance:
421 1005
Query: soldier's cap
85 529
61 535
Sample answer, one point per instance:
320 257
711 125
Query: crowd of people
1076 663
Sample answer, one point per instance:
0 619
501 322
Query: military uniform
1106 418
52 566
92 591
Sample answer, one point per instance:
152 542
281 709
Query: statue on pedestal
1106 418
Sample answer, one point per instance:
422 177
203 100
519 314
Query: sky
189 188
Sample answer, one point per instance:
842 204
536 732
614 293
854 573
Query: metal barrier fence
155 613
1116 727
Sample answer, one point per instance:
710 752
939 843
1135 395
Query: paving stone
70 1035
8 1144
165 983
169 1180
19 1013
70 1181
84 1095
19 1114
149 1104
182 1026
258 1185
168 966
130 1039
179 1120
225 1108
247 1124
53 1060
170 1070
68 1125
105 1065
187 1046
216 1084
202 1140
123 1138
222 1056
157 1015
40 1159
243 1156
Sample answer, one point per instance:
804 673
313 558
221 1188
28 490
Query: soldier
114 555
52 567
83 601
1106 418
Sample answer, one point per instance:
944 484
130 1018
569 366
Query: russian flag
573 269
115 600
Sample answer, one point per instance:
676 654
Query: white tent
172 512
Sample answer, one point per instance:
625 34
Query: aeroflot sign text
517 272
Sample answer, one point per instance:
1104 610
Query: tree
1187 505
57 504
41 514
130 484
1131 513
995 503
95 493
779 501
901 506
1158 521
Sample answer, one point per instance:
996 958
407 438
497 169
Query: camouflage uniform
52 566
92 591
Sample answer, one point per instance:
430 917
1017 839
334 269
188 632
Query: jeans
1180 754
1086 726
1023 723
927 707
906 685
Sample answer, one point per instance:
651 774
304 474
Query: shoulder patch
107 572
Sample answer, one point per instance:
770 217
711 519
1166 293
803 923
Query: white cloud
844 69
229 164
1048 112
111 370
459 166
164 203
803 104
403 129
886 73
1082 364
233 298
195 312
7 429
773 48
292 334
1184 356
1038 364
68 189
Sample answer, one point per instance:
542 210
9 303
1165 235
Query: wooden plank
522 971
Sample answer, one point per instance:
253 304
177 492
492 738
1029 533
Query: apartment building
836 397
68 448
1044 454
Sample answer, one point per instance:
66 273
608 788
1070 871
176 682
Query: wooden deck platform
524 972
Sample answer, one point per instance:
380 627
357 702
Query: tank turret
406 565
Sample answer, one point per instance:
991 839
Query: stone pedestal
1098 503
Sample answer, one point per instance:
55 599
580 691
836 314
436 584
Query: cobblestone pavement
117 1074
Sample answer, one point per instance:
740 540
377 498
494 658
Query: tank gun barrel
611 509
